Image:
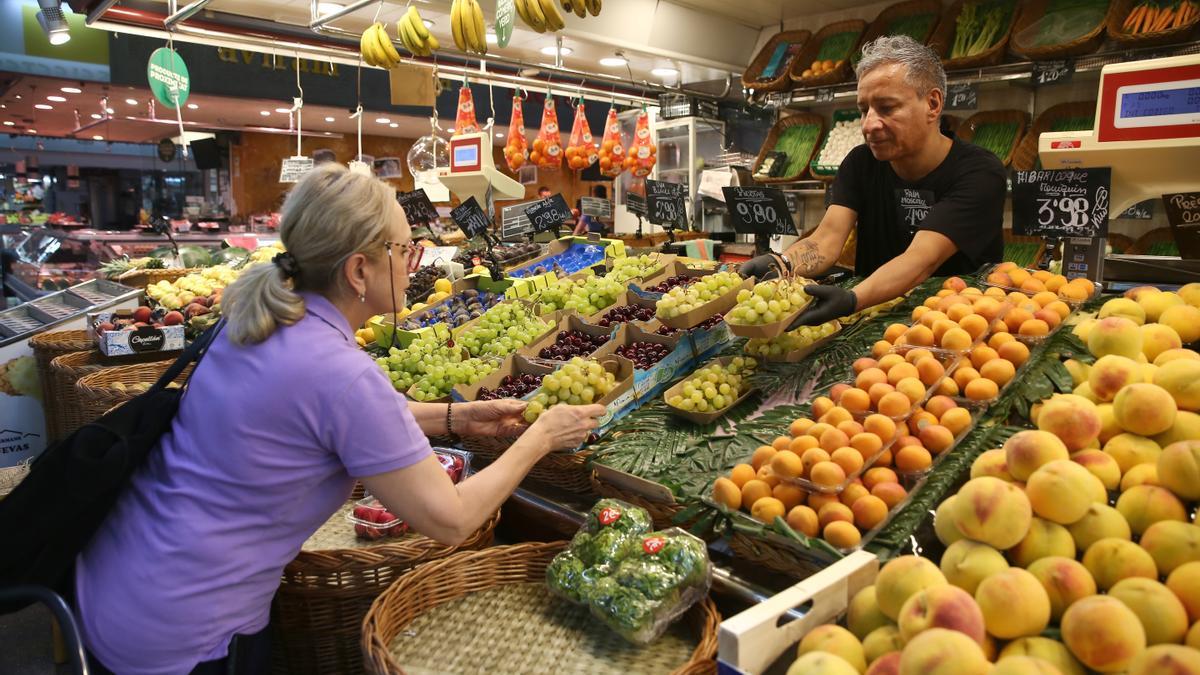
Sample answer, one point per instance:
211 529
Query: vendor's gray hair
924 67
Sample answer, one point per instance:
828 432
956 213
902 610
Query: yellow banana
364 47
534 8
594 6
411 43
554 20
579 7
432 44
467 16
386 47
456 27
418 26
480 30
520 7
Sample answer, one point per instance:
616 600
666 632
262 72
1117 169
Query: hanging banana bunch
377 48
415 36
583 7
466 23
540 15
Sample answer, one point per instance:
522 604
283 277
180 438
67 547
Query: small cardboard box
618 402
524 288
514 364
664 260
702 417
706 342
717 306
613 248
141 340
567 321
675 268
550 319
802 353
478 282
384 327
647 383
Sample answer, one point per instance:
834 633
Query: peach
993 512
1065 580
835 640
1137 291
1131 449
939 651
883 640
1111 560
901 578
1025 451
1155 304
1014 604
1083 329
1175 355
1100 522
1159 659
1103 633
1111 373
965 563
1158 338
822 663
943 523
1193 636
1184 582
941 607
1190 294
1101 466
863 615
1144 505
1108 423
1115 335
1073 419
1185 428
1171 544
1125 308
1062 490
1079 371
1185 320
992 463
1024 665
888 664
1181 379
1044 539
1162 615
1141 474
1144 409
1179 469
1046 649
1085 390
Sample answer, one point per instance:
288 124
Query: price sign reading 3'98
1061 203
759 210
664 203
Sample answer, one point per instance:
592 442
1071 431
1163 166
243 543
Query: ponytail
258 302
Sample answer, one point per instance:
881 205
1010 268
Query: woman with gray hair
280 418
922 203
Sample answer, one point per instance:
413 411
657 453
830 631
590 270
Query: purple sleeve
371 429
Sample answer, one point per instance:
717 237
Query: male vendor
923 203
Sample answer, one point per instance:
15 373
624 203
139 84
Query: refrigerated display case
685 145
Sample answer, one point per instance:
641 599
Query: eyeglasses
412 251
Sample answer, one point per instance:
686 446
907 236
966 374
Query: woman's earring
362 298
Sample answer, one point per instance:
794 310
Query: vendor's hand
829 303
565 427
502 417
763 267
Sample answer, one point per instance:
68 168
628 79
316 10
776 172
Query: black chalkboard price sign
759 210
417 207
546 215
635 204
1183 215
1061 202
1052 72
962 96
664 204
470 218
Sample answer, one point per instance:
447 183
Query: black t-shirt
963 199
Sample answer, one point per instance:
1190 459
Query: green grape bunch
791 341
715 386
555 297
423 355
594 294
632 267
502 330
683 299
769 302
440 379
579 382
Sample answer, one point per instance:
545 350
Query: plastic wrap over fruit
516 150
612 147
581 147
464 121
547 147
642 153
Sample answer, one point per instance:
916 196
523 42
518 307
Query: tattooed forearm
807 259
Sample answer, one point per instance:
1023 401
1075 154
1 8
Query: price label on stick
635 204
294 168
759 210
962 96
664 204
1140 211
470 218
417 207
514 225
596 207
1183 215
1053 72
1061 203
546 215
824 95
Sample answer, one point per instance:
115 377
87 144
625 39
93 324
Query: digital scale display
1159 104
467 155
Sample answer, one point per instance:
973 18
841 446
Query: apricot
832 439
848 458
895 405
957 420
998 370
753 491
862 363
966 563
876 475
869 511
1014 604
930 370
901 578
803 520
912 459
762 456
981 389
852 493
801 445
726 492
993 512
1161 613
1144 505
842 534
1111 560
818 500
869 443
1026 451
939 651
912 388
1065 581
1103 633
813 457
1045 539
1100 522
964 375
880 348
894 331
821 405
1062 490
789 494
781 442
827 474
892 493
1014 352
787 464
863 615
915 356
767 509
869 377
998 340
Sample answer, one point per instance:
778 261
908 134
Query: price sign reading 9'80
759 210
1061 203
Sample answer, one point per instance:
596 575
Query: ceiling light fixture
264 113
31 131
283 110
131 101
326 8
54 24
44 106
428 23
109 111
328 119
382 120
394 125
97 116
57 99
549 51
97 138
499 134
491 38
192 106
71 90
665 71
613 61
9 124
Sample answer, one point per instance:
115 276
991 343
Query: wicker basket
516 569
143 278
1033 11
773 137
326 591
67 408
1018 117
47 347
764 553
565 471
97 393
1025 156
783 81
943 40
888 16
662 514
809 54
1116 32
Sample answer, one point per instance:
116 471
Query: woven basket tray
888 16
490 612
63 403
326 591
782 81
47 347
943 40
773 137
97 393
1025 156
143 278
809 54
764 553
1032 11
1019 117
565 471
1116 32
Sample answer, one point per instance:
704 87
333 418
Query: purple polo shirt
266 446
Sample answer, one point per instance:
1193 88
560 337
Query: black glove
763 267
829 303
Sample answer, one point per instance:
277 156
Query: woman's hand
565 427
502 417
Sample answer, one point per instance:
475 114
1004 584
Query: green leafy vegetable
979 26
797 142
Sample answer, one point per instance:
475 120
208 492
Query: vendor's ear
935 100
354 274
